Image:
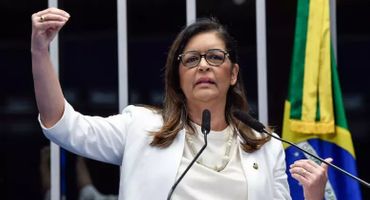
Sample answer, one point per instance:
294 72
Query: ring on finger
42 18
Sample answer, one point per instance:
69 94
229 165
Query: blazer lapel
167 161
254 168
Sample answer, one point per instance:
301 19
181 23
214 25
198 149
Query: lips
205 80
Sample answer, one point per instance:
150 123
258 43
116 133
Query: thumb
324 165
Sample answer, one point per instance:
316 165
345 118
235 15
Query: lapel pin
255 166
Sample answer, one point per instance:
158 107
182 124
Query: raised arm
49 96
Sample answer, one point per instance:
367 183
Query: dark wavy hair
175 113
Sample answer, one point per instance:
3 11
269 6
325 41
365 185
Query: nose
203 64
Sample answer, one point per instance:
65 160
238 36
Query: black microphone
206 122
205 128
258 126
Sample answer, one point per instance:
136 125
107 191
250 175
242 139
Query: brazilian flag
314 116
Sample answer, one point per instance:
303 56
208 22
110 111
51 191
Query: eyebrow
205 51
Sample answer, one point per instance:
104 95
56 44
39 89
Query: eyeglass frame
226 54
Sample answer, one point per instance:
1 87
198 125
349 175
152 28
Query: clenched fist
45 25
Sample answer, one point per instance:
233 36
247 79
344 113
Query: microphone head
206 121
249 120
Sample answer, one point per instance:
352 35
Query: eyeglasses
214 57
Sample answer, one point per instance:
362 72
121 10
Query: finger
49 26
305 164
300 171
301 179
299 162
37 19
53 17
48 21
300 175
311 165
50 14
315 170
324 165
53 10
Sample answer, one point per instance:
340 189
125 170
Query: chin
206 96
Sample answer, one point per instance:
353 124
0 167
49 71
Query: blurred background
89 75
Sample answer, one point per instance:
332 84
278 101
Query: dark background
88 72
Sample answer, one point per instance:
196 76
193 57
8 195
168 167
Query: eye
190 58
215 56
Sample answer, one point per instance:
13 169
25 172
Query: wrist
39 52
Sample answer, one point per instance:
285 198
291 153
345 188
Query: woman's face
205 83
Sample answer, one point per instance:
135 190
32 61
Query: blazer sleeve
99 138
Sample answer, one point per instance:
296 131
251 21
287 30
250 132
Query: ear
234 74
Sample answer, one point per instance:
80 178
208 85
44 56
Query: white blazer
147 173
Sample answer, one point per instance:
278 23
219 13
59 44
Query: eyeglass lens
214 57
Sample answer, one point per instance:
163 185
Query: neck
218 121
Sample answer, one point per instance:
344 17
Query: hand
45 25
311 176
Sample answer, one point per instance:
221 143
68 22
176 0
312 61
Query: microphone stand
320 159
205 133
258 126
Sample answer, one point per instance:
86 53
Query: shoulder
134 110
142 114
273 146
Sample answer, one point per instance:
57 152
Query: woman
201 73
